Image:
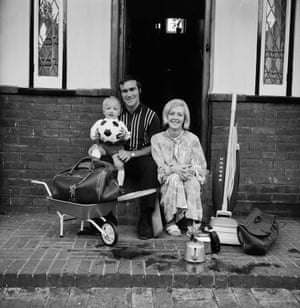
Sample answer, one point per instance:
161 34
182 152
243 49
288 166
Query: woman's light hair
176 102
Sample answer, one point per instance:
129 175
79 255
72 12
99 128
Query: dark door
166 59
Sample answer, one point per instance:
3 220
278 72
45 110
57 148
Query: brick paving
33 255
138 297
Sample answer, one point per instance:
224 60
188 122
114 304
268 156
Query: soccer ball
109 130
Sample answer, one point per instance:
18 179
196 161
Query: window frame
47 81
116 18
284 88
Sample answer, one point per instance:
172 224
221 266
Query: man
140 168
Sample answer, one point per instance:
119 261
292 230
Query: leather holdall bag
88 181
257 232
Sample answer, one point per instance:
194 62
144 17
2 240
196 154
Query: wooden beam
258 48
64 46
114 61
289 88
31 42
206 78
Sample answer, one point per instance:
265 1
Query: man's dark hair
128 78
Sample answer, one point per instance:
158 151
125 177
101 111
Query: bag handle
257 219
94 164
76 165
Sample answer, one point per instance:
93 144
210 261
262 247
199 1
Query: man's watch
132 154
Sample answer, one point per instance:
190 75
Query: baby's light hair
110 99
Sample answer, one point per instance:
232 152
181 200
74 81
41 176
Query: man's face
130 94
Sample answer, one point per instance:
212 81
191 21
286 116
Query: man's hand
125 155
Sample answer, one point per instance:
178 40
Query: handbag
257 232
88 181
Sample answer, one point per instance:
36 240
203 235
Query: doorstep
33 255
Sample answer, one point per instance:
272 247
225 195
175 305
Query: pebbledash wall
43 132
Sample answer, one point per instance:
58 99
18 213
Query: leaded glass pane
48 37
274 41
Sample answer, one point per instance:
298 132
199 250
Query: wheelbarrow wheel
110 233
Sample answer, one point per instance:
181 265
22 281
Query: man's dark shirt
143 123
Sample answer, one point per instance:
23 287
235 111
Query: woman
181 167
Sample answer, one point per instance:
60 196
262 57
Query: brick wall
42 133
269 138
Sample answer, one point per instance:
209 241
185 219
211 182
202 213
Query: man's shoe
144 235
144 228
88 231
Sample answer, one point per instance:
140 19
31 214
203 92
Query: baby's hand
98 136
96 153
122 131
122 134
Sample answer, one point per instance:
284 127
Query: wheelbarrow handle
45 185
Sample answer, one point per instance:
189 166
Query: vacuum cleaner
225 185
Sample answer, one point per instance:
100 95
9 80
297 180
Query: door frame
118 25
205 114
118 64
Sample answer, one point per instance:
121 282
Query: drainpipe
206 79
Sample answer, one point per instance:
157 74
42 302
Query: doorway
163 48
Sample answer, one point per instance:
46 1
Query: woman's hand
185 172
202 175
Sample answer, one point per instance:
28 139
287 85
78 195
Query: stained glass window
48 37
275 26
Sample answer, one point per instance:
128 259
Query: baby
111 110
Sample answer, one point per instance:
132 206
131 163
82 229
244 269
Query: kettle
195 251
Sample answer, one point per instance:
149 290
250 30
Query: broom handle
232 118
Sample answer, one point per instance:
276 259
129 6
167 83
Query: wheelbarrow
87 212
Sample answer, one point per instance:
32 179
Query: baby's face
111 109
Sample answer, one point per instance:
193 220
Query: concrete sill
55 92
254 99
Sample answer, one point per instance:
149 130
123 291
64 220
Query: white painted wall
88 44
14 42
296 65
234 41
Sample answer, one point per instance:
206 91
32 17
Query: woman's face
176 118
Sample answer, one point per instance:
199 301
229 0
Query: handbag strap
258 223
